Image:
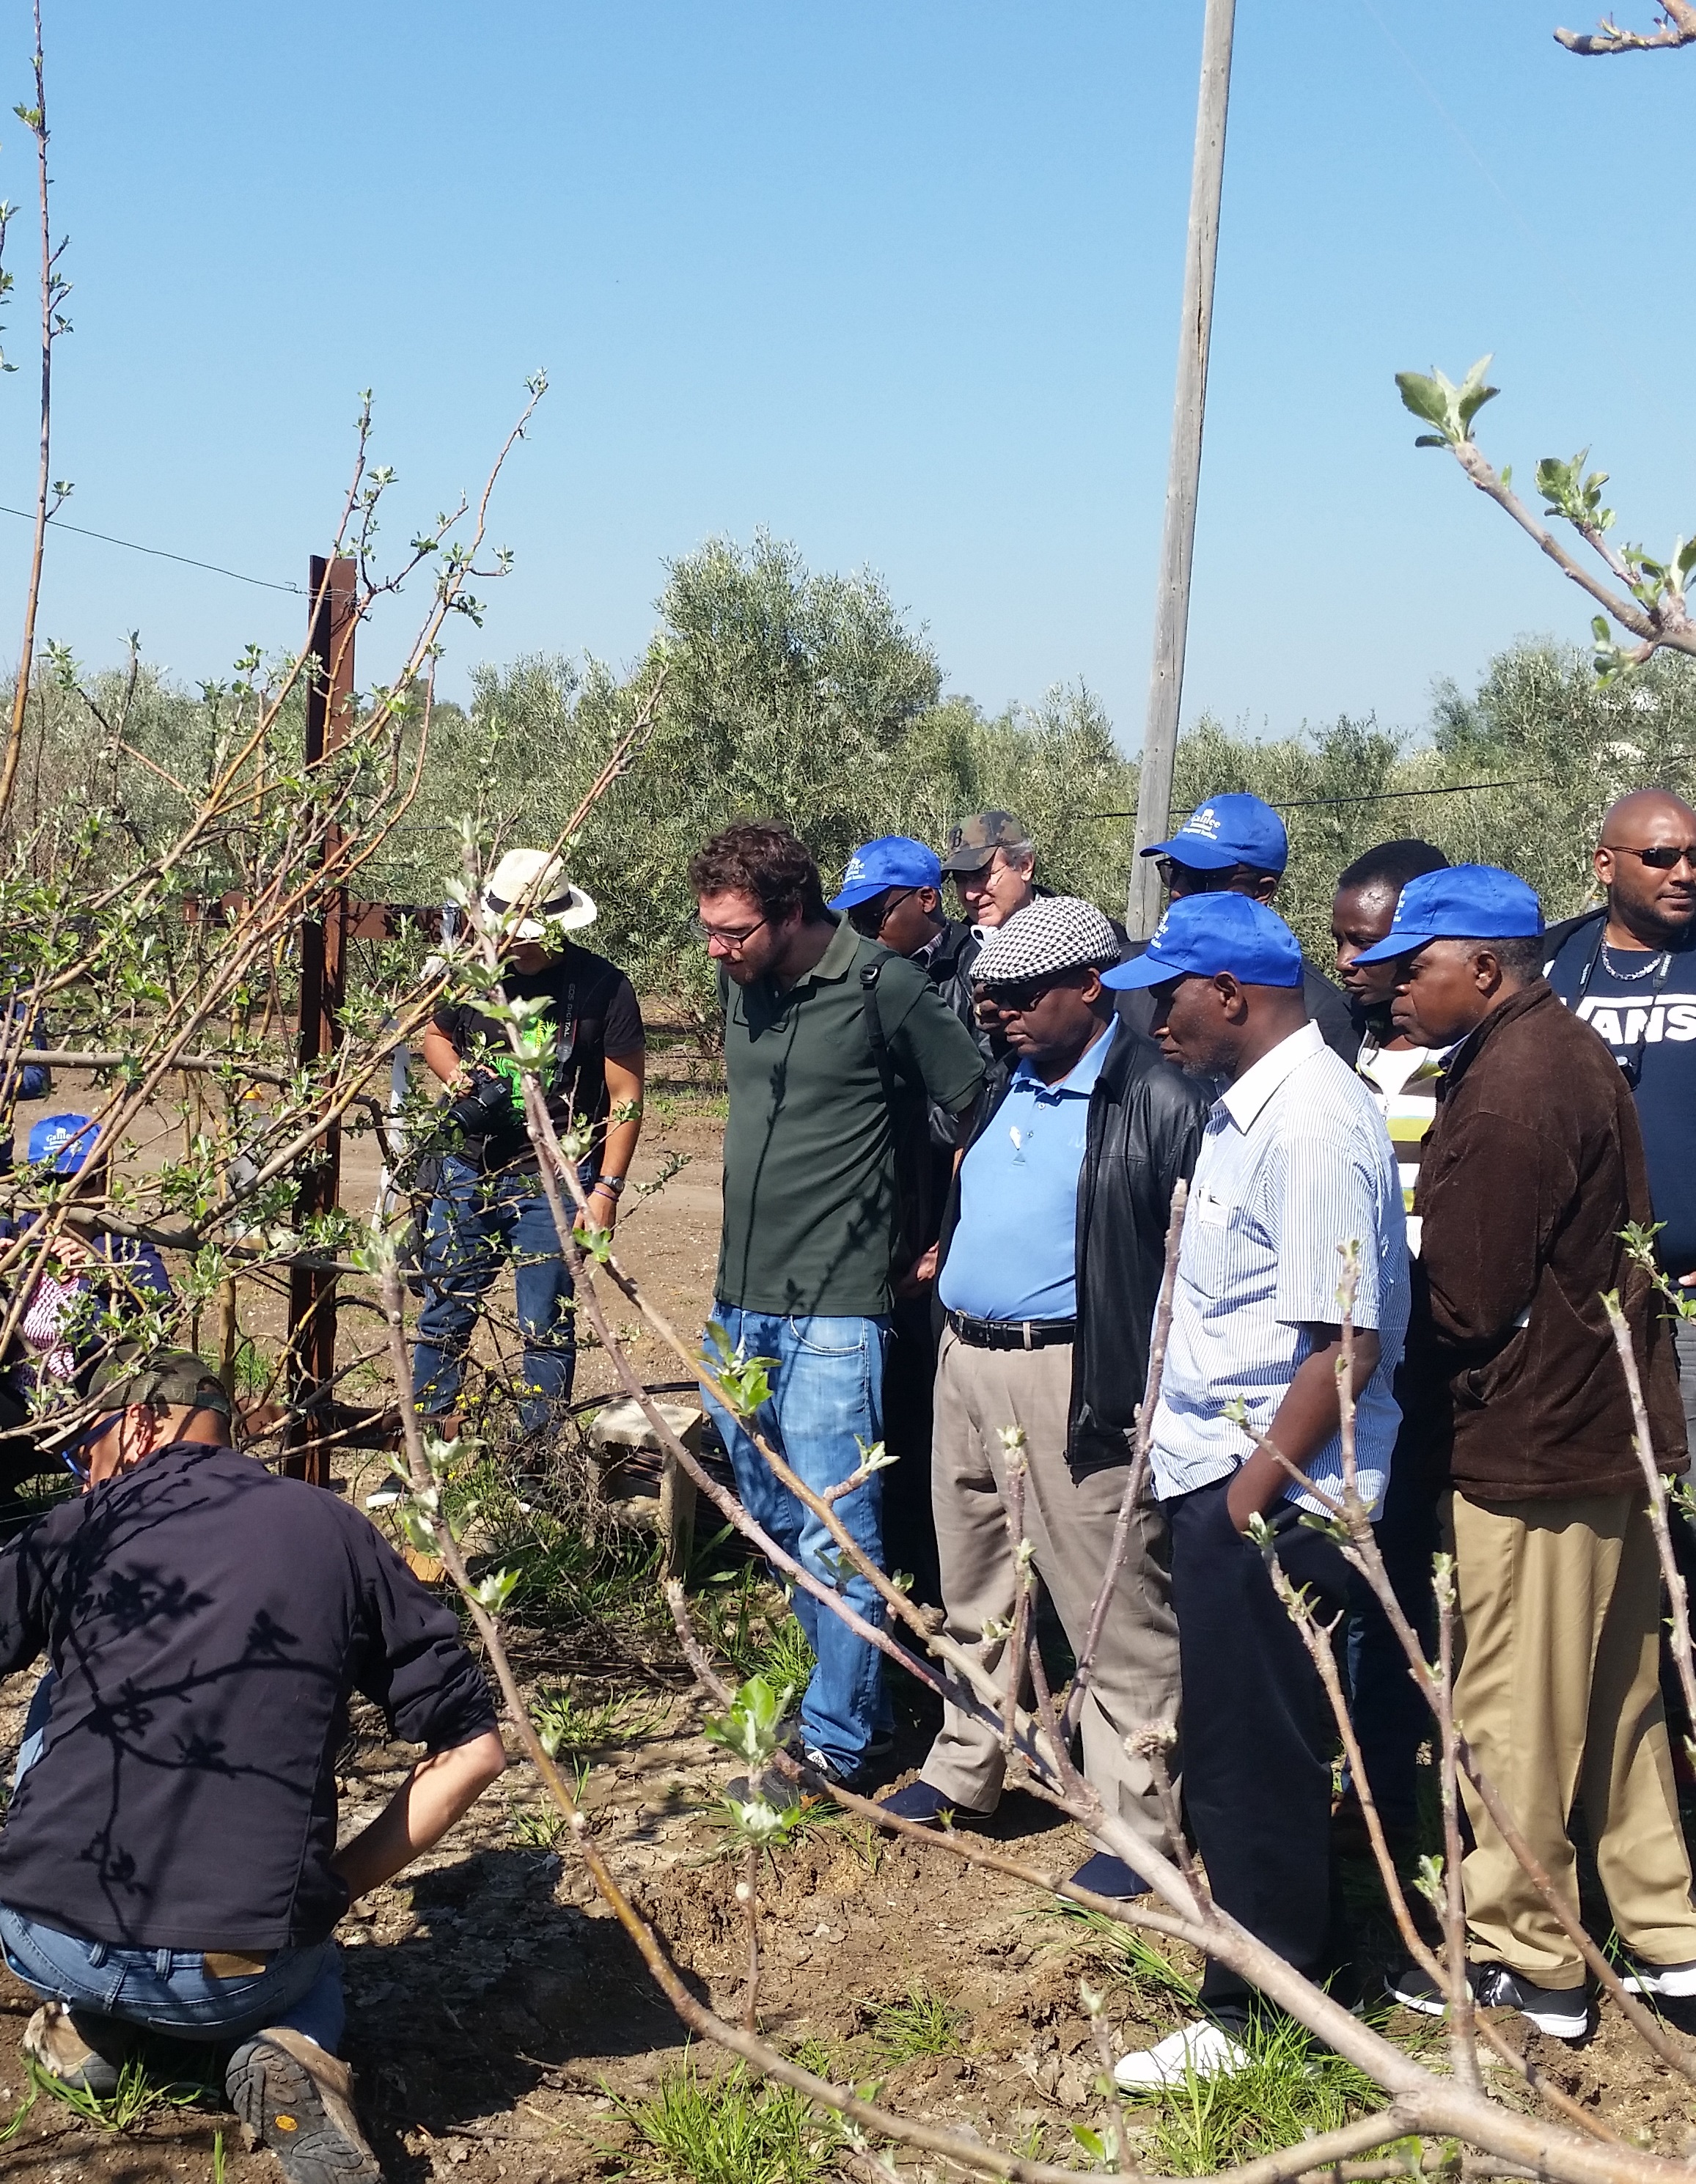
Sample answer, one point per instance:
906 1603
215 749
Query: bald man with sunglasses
1629 970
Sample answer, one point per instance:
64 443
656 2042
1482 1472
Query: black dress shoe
920 1802
1104 1875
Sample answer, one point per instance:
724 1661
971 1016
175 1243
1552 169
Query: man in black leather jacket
1051 1258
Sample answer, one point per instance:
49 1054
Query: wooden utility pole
311 1291
1178 541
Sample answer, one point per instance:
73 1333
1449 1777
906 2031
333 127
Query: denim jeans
475 1221
827 1389
168 1990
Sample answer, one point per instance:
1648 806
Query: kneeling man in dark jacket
1532 1168
1051 1255
169 1860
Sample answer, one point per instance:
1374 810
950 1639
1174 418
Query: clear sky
899 282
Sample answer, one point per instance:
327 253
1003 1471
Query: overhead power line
160 553
1395 795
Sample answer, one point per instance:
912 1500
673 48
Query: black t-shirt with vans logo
1649 1024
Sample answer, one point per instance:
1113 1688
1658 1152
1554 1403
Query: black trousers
1258 1736
909 1387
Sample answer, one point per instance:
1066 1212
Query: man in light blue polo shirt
1295 1166
1052 1257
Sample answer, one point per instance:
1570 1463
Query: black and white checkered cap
1056 933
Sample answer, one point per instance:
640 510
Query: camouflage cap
974 841
132 1375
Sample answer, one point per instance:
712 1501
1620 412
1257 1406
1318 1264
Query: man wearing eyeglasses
992 861
1237 845
1629 970
830 1044
169 1864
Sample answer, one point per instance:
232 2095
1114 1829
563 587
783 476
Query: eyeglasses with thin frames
727 937
1659 856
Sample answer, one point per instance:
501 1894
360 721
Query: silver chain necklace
1629 977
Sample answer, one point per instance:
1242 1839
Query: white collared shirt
1294 1164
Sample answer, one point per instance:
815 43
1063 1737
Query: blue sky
899 282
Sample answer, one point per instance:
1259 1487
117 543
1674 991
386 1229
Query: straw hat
532 877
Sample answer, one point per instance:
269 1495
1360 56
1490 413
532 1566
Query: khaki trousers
1069 1524
1559 1691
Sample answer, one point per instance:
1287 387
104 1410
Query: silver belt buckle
1026 1324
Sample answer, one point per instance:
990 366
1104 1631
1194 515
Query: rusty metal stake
311 1291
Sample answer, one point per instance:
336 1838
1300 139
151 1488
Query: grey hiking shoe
297 2101
58 2045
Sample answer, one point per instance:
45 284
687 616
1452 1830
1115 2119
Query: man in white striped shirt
1295 1166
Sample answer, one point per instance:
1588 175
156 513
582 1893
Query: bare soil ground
498 2016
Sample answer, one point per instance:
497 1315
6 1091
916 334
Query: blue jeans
476 1223
827 1389
168 1990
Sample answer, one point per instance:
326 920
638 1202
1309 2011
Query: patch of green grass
923 2024
1289 2089
1128 1955
729 2128
565 1723
139 2095
750 1623
537 1827
563 1576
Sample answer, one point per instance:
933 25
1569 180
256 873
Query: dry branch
1677 27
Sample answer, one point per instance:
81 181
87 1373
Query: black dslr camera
485 1107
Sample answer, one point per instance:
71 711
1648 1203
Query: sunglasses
868 919
1015 1000
1195 879
1663 857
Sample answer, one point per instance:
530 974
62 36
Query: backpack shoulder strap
876 1038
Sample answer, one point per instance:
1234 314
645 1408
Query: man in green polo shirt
812 1215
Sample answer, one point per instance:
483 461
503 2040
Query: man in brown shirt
1533 1167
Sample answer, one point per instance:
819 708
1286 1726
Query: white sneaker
1199 2050
1677 1982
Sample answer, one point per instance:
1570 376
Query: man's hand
603 1207
1307 1419
1244 1498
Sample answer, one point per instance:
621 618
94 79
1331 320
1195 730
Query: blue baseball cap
1229 830
1468 902
892 861
1202 934
64 1140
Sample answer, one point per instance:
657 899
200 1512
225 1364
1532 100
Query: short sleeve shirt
593 1009
1014 1255
810 1209
1294 1164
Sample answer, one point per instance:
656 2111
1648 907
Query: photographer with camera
488 1203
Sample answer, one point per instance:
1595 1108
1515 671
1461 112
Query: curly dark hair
761 857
